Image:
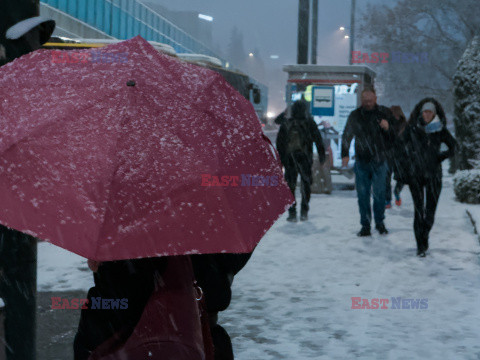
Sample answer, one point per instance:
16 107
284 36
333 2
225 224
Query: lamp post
22 30
313 55
352 31
349 36
302 40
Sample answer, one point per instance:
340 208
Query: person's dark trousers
133 280
388 187
299 164
425 195
398 189
18 287
368 176
222 343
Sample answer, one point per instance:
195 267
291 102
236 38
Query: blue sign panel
323 101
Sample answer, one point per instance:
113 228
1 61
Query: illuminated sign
322 100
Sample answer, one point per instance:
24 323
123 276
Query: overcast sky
271 26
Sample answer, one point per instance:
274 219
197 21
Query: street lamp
342 29
205 17
351 36
251 54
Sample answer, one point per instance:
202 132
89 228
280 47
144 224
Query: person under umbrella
133 167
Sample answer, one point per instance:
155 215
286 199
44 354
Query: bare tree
425 40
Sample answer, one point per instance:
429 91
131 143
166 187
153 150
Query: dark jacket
299 113
371 142
422 158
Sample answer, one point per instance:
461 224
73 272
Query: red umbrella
124 152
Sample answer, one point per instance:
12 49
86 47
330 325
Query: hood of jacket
416 115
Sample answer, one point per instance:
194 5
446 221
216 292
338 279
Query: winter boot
421 253
304 216
292 215
381 229
365 231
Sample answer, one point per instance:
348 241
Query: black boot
365 231
292 215
303 216
381 229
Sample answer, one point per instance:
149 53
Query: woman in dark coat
425 133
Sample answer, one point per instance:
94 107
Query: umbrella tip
131 83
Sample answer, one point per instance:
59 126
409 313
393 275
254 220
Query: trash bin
2 330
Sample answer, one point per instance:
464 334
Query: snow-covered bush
467 107
467 186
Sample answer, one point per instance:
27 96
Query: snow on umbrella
110 159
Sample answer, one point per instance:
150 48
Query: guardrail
124 19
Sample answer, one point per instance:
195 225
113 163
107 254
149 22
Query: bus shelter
333 93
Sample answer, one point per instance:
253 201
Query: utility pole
352 31
18 251
313 59
303 22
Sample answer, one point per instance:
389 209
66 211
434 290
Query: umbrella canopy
115 153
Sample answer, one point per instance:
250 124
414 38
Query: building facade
119 19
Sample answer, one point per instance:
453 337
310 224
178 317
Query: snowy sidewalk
293 300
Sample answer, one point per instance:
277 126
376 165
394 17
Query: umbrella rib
112 178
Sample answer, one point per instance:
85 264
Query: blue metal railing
124 19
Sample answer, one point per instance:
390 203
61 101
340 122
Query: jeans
388 188
368 176
396 191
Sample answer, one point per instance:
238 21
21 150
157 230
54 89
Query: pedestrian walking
371 126
399 127
295 145
424 135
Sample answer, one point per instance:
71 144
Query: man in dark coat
422 170
295 145
371 125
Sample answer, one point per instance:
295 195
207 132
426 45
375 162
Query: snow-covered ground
293 299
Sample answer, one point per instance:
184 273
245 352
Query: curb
474 224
